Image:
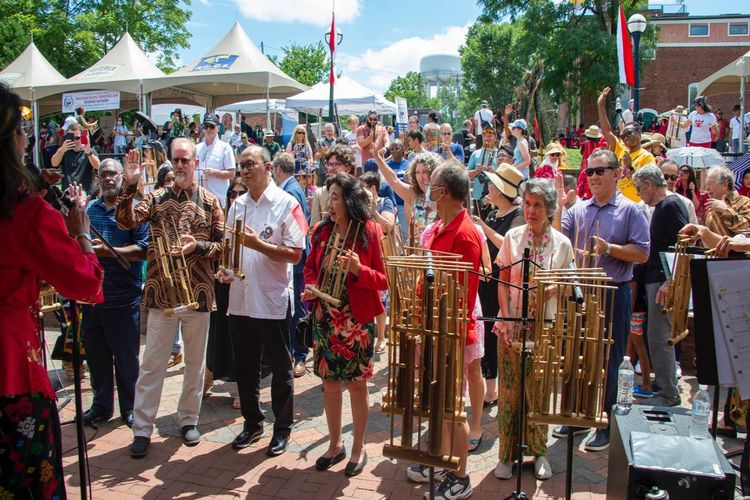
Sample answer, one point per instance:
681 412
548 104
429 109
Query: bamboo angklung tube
677 300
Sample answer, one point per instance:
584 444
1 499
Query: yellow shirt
639 159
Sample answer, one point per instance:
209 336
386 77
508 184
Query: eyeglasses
249 164
671 177
77 138
433 187
184 161
597 170
209 126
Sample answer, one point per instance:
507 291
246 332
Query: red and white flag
624 51
332 47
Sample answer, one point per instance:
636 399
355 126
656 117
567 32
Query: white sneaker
542 469
504 470
638 367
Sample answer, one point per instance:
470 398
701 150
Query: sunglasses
628 133
300 133
684 171
597 170
671 177
209 126
555 154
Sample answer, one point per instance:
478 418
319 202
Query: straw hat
506 178
679 110
553 147
593 132
656 140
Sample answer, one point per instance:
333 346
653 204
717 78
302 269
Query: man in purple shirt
617 231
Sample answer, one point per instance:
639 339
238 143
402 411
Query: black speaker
628 480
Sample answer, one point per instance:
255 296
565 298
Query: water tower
441 70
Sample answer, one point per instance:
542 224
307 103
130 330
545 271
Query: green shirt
272 148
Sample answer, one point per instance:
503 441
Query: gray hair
454 178
544 189
111 163
184 140
285 161
260 150
669 162
650 173
723 176
608 155
329 125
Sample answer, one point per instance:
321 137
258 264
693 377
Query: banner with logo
218 61
98 100
402 115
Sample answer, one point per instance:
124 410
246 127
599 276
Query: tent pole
37 141
742 107
268 103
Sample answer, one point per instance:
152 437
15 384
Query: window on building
738 29
699 29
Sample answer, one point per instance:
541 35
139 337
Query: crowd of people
420 186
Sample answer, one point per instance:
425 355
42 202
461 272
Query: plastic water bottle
625 381
701 413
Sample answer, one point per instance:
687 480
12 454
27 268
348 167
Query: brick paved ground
214 470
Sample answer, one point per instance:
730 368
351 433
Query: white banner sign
99 100
402 111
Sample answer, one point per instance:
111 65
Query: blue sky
382 38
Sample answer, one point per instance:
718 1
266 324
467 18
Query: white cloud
315 12
205 2
376 68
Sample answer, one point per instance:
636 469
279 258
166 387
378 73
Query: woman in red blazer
343 336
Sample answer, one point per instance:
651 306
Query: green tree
577 50
308 64
412 88
73 35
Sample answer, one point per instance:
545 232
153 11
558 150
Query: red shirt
363 290
37 247
460 236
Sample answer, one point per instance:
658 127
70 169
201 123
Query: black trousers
251 338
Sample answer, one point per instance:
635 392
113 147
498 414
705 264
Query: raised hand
508 109
133 168
601 101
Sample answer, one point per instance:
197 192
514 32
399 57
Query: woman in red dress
39 246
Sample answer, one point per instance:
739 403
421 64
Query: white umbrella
696 157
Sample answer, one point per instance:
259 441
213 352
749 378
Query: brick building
689 49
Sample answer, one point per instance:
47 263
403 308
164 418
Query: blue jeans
299 351
112 335
620 331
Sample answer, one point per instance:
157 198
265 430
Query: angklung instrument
232 251
174 269
429 316
677 300
332 273
571 352
49 299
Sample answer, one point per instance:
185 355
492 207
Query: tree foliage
412 88
73 35
308 64
576 49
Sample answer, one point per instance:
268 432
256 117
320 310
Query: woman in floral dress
343 335
550 249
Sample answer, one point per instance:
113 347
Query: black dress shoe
325 463
139 448
92 417
355 468
246 438
127 417
278 445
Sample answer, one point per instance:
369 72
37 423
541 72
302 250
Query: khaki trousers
161 332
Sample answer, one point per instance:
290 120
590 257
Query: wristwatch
89 153
607 250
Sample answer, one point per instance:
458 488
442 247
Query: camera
69 136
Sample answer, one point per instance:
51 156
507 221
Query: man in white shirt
735 126
627 115
215 161
260 306
483 115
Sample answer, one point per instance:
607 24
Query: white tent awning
727 79
28 72
235 69
350 98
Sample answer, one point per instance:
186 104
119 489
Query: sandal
474 443
174 359
489 404
379 347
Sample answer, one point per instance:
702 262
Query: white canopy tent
350 98
25 75
255 106
233 70
125 68
730 79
